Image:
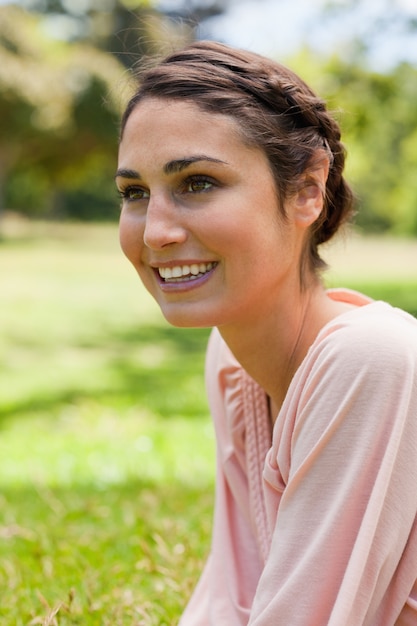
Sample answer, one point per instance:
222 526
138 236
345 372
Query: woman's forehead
164 124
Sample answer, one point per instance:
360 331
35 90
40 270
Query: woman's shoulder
363 362
372 334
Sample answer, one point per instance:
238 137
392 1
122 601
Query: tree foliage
63 84
58 111
378 116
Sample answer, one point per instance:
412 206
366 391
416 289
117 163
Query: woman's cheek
130 237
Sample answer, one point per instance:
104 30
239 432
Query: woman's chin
188 317
187 322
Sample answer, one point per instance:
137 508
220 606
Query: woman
231 176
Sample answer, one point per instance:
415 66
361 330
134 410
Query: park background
106 446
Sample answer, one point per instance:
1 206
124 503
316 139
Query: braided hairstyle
276 112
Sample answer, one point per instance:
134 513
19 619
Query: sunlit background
106 444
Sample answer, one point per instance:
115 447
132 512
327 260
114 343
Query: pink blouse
319 528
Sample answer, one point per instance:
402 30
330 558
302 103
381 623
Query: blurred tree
129 29
58 109
378 115
380 121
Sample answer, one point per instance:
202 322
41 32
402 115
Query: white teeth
187 272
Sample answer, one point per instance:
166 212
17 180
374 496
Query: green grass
383 268
106 446
106 449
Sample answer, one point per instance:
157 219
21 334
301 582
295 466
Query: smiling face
200 219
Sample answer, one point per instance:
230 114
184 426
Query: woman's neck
272 349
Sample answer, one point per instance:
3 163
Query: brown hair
276 111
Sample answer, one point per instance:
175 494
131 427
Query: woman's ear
308 201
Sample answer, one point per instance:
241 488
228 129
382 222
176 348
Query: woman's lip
183 283
179 263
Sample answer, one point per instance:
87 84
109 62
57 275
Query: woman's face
200 219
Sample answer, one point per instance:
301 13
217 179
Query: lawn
106 447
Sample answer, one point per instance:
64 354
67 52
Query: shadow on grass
105 556
158 367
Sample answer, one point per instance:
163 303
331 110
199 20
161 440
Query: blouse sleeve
344 536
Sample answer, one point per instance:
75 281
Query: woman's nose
163 224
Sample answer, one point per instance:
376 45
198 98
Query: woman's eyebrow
122 173
178 165
172 167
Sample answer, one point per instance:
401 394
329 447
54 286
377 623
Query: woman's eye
198 185
134 193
